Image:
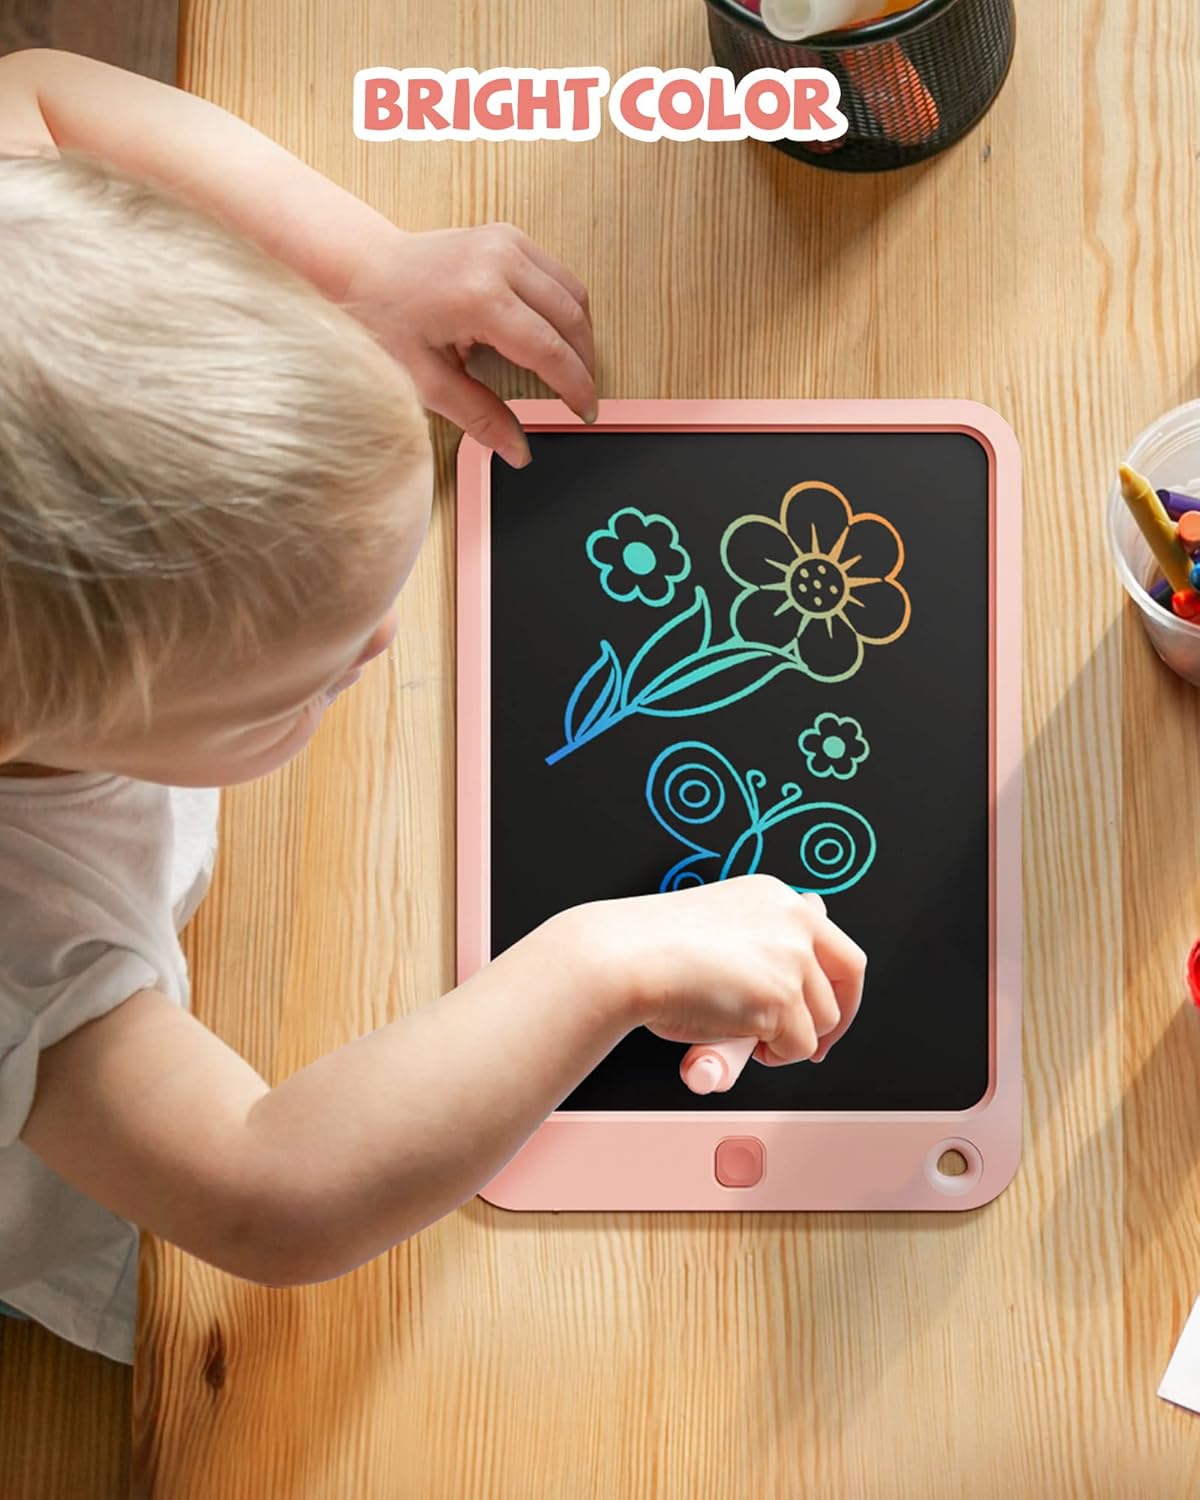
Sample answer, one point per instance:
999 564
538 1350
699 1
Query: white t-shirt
97 875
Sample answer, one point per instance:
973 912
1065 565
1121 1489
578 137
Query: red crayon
1186 605
1193 974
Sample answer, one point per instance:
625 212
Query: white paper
1181 1383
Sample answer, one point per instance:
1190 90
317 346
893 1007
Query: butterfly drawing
699 798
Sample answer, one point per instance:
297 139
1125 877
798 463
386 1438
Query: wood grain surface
1048 266
135 34
64 1419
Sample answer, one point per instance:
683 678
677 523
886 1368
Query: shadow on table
1152 1133
1065 1021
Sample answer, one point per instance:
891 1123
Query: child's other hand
435 297
744 957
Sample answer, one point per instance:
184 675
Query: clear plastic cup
1168 454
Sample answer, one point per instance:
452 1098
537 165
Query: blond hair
195 446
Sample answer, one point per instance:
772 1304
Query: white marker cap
793 20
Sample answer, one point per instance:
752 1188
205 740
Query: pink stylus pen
714 1068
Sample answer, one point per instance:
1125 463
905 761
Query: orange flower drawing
819 583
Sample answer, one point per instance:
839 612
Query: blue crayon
1177 505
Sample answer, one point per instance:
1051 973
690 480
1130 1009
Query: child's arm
430 298
153 1116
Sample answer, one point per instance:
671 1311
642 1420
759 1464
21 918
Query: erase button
739 1161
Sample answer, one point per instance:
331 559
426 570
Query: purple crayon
1177 505
1160 592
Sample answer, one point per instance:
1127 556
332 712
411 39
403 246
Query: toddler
215 477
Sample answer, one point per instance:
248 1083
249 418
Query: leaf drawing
683 635
713 679
602 681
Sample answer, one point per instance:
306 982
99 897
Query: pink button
739 1161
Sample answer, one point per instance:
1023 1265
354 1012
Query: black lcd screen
714 652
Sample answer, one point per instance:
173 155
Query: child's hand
745 957
432 298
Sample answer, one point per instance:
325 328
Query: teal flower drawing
834 747
639 557
818 583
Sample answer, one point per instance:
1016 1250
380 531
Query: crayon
1186 605
1188 529
1161 593
1156 526
1177 506
1192 972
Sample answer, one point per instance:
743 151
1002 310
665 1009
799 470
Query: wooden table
1048 267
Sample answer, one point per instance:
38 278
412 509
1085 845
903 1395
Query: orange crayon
1188 529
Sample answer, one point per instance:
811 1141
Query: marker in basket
891 88
1156 526
893 92
793 20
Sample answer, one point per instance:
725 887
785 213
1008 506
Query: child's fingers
569 282
559 309
796 1040
523 336
821 1001
844 964
470 405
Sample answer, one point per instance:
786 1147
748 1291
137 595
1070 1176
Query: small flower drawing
639 557
834 747
820 582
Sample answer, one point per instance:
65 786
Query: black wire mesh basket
912 83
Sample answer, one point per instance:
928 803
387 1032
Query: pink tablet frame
813 1161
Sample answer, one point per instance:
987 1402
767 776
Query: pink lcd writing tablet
701 639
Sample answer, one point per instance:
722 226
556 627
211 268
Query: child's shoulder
95 864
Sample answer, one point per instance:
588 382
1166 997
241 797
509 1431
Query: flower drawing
639 557
819 582
834 747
